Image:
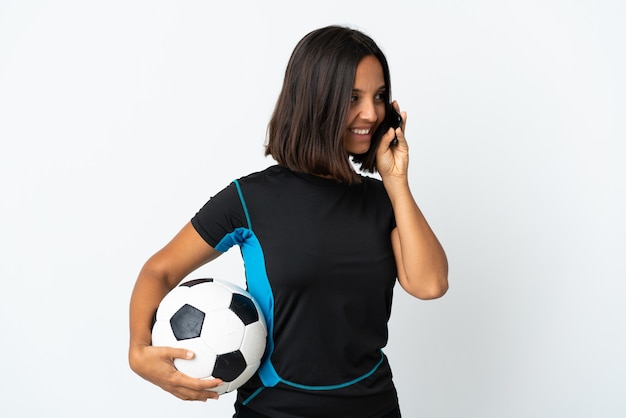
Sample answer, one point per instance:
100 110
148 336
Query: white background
119 119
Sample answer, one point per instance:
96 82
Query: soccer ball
221 323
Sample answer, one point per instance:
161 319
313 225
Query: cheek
380 114
351 116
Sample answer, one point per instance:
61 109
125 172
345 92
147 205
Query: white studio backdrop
119 119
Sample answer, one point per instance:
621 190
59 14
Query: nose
368 111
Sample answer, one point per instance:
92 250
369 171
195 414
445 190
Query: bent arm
186 252
420 259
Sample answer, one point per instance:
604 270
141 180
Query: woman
322 245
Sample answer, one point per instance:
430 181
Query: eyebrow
381 88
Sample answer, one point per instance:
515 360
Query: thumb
181 353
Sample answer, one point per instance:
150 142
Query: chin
359 151
356 149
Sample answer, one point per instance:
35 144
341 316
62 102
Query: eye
354 98
381 97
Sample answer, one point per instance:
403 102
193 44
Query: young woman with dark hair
323 245
306 129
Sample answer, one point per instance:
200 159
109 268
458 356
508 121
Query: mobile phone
394 119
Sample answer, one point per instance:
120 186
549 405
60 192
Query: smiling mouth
360 131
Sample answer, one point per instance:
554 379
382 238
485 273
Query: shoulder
372 181
229 198
372 184
271 181
272 173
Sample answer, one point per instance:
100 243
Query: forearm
421 260
148 292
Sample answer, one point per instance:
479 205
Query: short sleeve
220 216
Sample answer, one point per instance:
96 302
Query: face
367 105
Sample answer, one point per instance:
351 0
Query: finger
205 384
187 394
206 389
181 353
190 388
181 379
193 389
394 141
172 353
397 136
402 114
386 142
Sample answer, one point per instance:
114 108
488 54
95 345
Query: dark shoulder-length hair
305 132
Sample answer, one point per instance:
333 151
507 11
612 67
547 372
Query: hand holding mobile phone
392 120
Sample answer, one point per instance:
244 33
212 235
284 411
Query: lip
360 140
360 136
360 131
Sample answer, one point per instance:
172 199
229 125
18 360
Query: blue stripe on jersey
340 385
258 284
260 289
243 203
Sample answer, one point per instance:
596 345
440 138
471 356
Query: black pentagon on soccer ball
229 366
194 282
187 322
244 308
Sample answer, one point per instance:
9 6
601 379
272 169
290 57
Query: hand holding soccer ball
155 364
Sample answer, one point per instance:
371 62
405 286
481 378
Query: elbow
428 288
433 292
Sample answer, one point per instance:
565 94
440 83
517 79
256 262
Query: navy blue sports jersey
319 262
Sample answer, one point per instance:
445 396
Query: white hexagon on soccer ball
201 365
208 297
222 331
253 343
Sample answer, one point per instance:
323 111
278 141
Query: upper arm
186 252
397 254
428 283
